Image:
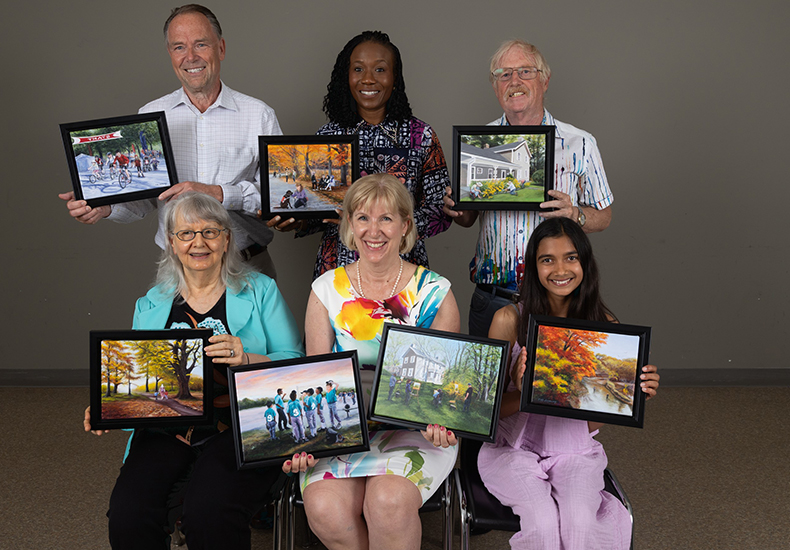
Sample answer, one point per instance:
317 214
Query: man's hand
82 212
562 203
463 218
179 188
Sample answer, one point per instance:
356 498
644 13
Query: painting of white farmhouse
432 377
502 170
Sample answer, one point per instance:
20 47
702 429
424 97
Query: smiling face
199 255
378 230
559 270
522 100
371 78
196 53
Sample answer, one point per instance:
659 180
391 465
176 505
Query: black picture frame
282 155
253 386
137 134
561 350
495 167
118 355
428 356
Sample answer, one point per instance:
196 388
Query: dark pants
482 309
282 420
218 499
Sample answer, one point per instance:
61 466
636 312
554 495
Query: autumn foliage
564 357
304 159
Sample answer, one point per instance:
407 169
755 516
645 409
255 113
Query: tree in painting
116 364
564 357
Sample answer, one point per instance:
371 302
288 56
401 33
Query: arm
448 317
504 327
464 218
319 336
283 338
429 215
597 220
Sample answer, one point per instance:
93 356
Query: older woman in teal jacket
202 282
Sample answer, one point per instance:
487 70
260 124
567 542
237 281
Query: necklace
394 287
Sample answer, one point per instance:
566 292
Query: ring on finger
232 353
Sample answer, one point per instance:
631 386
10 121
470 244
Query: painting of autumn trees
308 159
151 378
573 369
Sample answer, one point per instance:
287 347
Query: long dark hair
585 301
339 104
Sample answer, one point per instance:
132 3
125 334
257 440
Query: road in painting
502 168
304 177
151 378
585 370
434 380
306 423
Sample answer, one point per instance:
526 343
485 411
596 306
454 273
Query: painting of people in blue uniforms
317 396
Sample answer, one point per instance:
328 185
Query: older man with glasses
520 77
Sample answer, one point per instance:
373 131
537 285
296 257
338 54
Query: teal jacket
257 314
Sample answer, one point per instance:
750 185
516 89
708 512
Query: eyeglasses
209 234
524 73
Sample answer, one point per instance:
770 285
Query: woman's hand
650 378
439 436
299 463
290 224
518 369
226 349
87 424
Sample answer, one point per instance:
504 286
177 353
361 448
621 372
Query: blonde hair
529 50
392 193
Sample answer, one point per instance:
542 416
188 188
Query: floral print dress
358 323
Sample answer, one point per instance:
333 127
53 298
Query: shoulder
331 129
566 130
246 102
426 277
504 323
161 103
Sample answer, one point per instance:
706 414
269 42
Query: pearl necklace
394 287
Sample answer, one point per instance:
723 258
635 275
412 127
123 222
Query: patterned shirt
578 171
411 152
218 147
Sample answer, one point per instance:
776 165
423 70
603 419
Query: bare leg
391 509
334 511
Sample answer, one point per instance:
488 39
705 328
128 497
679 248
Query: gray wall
687 99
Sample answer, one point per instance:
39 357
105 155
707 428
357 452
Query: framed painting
426 376
585 370
121 159
502 167
308 404
150 378
306 176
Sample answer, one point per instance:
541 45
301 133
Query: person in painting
366 96
407 397
222 162
308 396
468 397
331 403
365 500
300 197
295 414
549 469
270 416
520 77
201 282
282 423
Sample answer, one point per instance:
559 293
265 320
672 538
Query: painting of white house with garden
502 168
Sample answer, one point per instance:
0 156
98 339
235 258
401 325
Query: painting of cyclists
502 167
119 159
309 404
149 378
306 176
585 370
426 376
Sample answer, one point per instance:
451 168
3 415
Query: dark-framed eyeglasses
209 234
524 73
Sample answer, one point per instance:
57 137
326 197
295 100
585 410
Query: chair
441 500
481 512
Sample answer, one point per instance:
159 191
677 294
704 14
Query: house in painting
494 163
418 365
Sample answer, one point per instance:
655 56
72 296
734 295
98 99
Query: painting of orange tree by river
151 378
587 370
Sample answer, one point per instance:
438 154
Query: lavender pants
559 498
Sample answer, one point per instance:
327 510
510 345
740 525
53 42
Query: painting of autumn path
151 378
586 370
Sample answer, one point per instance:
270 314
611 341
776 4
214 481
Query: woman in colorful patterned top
366 96
372 499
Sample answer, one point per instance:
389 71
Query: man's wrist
581 217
